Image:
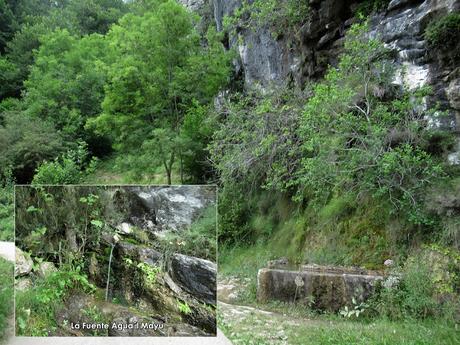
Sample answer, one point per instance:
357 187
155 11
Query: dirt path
249 325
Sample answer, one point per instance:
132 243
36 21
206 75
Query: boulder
22 284
45 269
321 287
125 228
24 263
194 275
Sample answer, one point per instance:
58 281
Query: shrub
25 142
444 32
278 15
412 292
35 307
69 168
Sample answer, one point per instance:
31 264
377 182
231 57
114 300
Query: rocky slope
266 60
150 282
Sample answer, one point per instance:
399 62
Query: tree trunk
168 172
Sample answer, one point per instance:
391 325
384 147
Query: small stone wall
321 287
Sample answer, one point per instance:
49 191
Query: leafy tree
37 18
363 137
149 84
8 24
24 142
257 143
66 84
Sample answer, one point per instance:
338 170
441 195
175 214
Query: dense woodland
344 169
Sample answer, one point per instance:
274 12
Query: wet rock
138 252
323 288
45 269
23 264
194 275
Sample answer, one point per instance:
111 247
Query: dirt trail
249 325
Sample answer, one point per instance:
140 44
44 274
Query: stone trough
320 287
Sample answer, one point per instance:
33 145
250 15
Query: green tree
66 84
361 136
25 142
159 53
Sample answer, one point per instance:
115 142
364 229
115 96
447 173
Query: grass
124 169
292 324
6 297
323 332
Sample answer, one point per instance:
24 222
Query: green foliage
410 292
35 307
444 32
154 81
25 142
356 141
257 143
68 235
368 7
96 316
66 83
184 308
200 240
7 207
233 213
278 15
6 297
355 310
149 271
69 168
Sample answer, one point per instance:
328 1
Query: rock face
160 208
323 288
196 276
267 61
23 264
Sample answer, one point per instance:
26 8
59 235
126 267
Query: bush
444 32
199 240
69 168
234 213
25 142
413 292
278 15
35 307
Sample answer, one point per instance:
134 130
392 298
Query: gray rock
175 207
193 5
24 263
22 284
453 93
194 275
125 228
45 269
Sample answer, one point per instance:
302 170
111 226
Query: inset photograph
115 260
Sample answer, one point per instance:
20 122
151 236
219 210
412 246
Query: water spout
108 274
